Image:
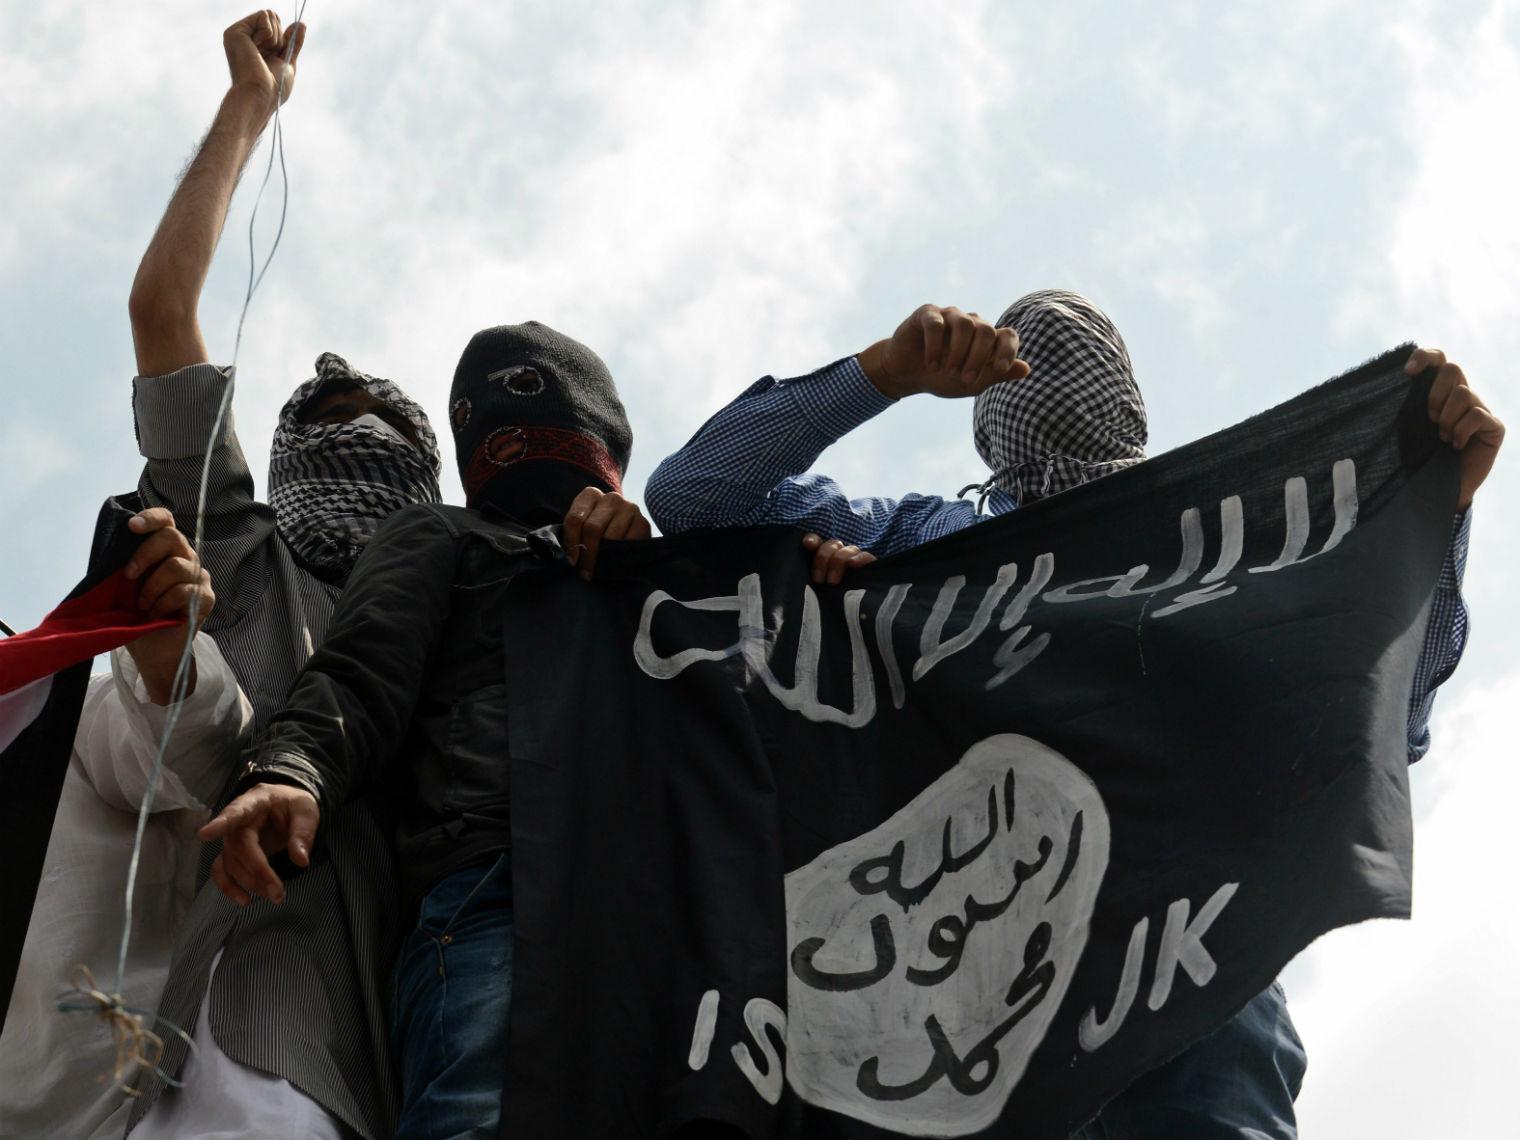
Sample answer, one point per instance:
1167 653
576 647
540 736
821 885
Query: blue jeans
1238 1083
453 994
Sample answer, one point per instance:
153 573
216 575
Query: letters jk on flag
43 676
963 846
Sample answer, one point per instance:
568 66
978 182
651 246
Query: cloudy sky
709 192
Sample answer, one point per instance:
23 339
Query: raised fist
943 351
260 57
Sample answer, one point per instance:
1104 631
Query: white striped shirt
299 991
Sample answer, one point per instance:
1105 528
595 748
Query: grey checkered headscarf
1077 416
332 485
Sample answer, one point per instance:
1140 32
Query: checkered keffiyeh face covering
1077 416
332 485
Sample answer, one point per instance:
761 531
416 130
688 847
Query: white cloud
697 193
1454 234
1448 271
707 215
1410 1025
34 453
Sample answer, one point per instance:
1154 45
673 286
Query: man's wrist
282 770
245 111
156 669
873 362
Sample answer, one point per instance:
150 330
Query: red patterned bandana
509 446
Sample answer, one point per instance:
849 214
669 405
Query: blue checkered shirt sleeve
746 465
1445 637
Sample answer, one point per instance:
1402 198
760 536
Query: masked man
287 1004
408 691
1068 412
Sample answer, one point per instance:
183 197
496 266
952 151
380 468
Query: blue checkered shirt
746 465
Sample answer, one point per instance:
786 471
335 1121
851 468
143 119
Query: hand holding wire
260 57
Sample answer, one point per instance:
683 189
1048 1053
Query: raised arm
745 465
166 292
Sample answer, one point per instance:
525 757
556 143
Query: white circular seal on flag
928 956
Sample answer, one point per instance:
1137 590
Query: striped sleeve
174 415
745 467
1445 637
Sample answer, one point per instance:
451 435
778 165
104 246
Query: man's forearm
157 664
166 292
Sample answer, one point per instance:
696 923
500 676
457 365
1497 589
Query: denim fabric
453 994
1238 1083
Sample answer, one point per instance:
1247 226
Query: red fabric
563 445
101 619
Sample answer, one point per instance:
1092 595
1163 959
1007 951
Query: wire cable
135 1042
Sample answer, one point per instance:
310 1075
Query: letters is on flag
965 845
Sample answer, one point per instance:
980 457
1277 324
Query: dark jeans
1238 1083
453 994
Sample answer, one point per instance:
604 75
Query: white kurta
223 1100
54 1067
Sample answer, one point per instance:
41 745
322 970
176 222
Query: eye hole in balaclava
520 380
1077 416
536 419
332 485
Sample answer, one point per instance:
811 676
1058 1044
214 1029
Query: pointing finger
226 884
235 814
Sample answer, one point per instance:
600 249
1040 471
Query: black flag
964 845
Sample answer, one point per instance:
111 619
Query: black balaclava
332 485
1077 416
536 420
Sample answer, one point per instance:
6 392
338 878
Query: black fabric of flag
965 845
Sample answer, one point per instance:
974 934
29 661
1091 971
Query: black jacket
408 688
